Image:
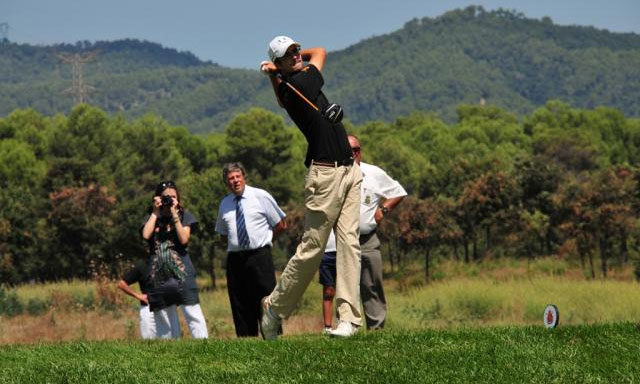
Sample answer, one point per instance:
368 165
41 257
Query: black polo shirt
326 142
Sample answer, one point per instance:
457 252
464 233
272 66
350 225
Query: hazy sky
236 33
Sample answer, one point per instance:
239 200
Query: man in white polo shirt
379 195
249 218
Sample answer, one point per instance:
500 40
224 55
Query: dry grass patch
66 326
495 292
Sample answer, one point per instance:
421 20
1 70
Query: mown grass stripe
585 354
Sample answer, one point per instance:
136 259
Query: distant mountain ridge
23 62
500 57
432 64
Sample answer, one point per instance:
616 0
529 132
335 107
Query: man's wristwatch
384 210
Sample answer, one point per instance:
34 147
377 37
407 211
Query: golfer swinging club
331 191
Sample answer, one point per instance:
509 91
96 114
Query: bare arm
150 225
280 227
270 69
388 204
184 233
315 56
275 84
124 287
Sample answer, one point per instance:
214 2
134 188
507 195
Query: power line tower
4 32
78 89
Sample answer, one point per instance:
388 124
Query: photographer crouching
172 277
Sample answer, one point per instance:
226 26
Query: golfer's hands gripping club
268 68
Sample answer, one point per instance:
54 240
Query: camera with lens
167 201
333 113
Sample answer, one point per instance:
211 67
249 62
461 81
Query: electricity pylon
78 89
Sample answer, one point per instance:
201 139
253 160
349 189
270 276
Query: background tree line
463 56
560 181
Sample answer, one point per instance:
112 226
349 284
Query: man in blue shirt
249 218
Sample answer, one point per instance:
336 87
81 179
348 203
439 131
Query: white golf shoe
270 323
344 329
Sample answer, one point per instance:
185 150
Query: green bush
37 306
10 304
83 301
88 301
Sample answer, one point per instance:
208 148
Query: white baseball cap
279 45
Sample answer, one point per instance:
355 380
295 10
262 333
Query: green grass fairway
573 354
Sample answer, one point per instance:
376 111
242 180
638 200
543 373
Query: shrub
84 302
37 306
109 297
10 304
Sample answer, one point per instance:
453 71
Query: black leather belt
345 162
364 238
249 252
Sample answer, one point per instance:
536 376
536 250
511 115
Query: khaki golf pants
332 200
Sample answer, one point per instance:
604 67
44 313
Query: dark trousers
250 277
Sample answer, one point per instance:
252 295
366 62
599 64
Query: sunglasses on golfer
295 51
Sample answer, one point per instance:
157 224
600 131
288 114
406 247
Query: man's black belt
333 164
365 237
249 251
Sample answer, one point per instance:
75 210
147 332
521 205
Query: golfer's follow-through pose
331 191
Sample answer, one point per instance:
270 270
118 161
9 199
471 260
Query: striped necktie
241 227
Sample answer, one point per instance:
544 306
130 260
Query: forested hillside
127 76
432 64
500 57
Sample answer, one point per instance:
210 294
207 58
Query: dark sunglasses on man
295 51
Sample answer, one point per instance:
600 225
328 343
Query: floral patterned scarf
165 261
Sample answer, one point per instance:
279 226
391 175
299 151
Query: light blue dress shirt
261 214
